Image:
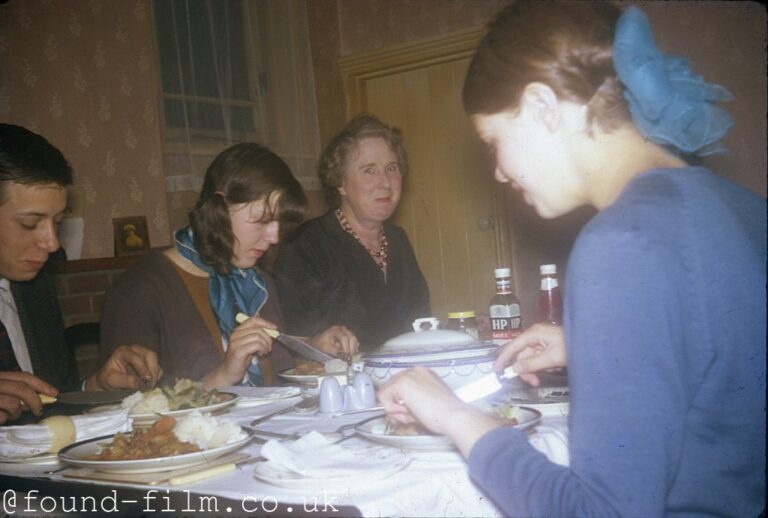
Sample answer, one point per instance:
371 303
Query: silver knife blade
485 386
293 343
303 348
93 397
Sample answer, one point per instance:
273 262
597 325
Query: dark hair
28 159
333 160
241 174
565 45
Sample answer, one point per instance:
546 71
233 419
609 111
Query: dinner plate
257 396
550 401
44 459
306 379
227 399
79 454
388 461
373 430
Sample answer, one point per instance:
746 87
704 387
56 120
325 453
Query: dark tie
7 357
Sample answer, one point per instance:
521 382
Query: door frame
357 69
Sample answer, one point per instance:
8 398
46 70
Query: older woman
183 302
664 317
350 266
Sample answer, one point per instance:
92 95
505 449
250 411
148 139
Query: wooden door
448 208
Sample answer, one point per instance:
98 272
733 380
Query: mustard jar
463 321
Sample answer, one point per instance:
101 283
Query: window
234 71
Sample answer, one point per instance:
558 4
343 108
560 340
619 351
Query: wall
345 27
82 74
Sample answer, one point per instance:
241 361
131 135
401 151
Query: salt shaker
365 390
331 397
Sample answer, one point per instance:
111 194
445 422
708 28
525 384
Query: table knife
202 474
93 397
299 346
484 386
293 343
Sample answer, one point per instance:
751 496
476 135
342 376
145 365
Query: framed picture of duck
131 235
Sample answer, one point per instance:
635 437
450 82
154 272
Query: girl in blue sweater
664 326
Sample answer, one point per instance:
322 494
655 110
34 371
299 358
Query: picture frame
131 235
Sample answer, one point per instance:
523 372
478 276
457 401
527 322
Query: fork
276 435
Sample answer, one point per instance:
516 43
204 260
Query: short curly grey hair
333 160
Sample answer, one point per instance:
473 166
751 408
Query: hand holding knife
293 343
484 386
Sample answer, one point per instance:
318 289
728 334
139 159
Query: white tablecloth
432 484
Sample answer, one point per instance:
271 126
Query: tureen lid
432 340
428 343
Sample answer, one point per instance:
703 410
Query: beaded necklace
380 257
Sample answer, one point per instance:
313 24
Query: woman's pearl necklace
380 257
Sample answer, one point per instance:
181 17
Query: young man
34 359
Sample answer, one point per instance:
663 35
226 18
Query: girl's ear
539 103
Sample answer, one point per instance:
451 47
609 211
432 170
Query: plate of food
309 372
184 397
415 437
168 445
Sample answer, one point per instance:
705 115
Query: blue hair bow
669 103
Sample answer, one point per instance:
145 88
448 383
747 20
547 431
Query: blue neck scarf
670 104
239 291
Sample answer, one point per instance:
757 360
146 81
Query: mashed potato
206 431
184 394
146 402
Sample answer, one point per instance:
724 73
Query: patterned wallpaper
82 74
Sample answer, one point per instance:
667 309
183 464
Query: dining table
419 482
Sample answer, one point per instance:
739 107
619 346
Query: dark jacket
325 277
43 327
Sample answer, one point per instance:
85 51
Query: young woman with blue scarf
664 325
182 302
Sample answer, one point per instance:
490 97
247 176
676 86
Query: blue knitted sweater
665 304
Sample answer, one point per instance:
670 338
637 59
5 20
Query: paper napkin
18 442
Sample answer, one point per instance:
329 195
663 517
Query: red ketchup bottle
550 299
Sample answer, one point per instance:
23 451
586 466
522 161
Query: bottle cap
501 272
462 314
548 269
